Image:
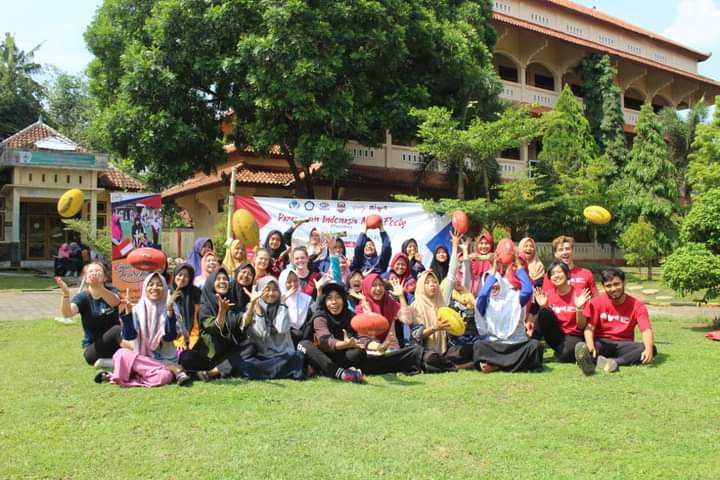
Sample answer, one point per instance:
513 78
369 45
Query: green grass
643 422
25 282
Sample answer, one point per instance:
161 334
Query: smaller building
37 165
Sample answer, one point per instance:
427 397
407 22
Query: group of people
288 312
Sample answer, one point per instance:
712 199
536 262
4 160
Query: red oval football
505 251
147 259
460 222
373 221
370 324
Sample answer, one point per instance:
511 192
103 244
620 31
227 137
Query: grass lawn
643 422
25 282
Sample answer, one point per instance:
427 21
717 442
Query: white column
524 153
93 202
388 147
15 233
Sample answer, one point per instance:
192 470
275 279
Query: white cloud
695 24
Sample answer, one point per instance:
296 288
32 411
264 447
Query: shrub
692 268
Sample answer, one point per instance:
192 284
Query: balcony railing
631 116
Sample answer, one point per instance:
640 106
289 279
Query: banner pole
231 206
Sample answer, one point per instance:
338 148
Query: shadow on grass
703 328
660 359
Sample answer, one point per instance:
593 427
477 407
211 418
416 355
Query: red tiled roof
28 136
114 179
499 17
627 26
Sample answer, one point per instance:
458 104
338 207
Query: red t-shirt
564 308
617 322
580 279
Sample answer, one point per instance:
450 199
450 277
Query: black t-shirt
96 315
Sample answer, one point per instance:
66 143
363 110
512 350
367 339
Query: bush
692 268
702 225
639 244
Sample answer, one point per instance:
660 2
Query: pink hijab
150 318
387 306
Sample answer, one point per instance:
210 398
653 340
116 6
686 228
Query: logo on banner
324 206
309 205
294 204
340 207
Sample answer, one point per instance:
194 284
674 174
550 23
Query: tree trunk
649 267
335 189
461 181
309 187
486 183
299 186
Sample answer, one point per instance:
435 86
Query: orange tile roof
114 179
499 17
570 5
33 133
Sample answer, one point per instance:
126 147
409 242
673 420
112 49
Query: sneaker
583 358
352 375
104 363
608 365
183 379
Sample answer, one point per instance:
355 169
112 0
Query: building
539 42
37 165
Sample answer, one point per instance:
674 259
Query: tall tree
70 107
680 131
601 97
307 76
649 184
21 95
704 166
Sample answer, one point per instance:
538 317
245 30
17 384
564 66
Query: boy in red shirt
580 278
609 334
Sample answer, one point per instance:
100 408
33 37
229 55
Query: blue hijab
194 258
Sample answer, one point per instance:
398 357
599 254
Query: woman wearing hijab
298 304
458 282
150 329
527 250
221 347
501 318
410 248
365 258
243 280
208 264
353 287
441 262
234 256
201 247
268 325
186 298
138 233
376 299
400 266
481 259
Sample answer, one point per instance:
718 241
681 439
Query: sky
59 25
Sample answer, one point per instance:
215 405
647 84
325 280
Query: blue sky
59 26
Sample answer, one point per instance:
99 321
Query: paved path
23 305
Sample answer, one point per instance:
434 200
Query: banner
344 219
136 223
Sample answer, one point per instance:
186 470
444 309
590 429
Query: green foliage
704 167
648 186
172 217
221 235
98 240
71 109
693 268
639 245
306 76
601 97
21 96
702 223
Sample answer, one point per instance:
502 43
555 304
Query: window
42 178
661 58
101 215
221 205
67 179
634 49
544 82
532 166
606 40
541 19
503 7
80 179
2 219
509 74
574 30
56 178
29 177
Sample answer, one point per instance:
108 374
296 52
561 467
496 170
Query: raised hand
456 237
254 294
173 298
582 299
291 292
465 248
125 306
63 286
357 296
540 297
347 342
397 288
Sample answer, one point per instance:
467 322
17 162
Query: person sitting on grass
234 256
208 264
366 258
527 250
186 298
376 299
410 248
481 259
97 306
267 322
562 314
609 335
298 304
580 278
500 314
150 328
200 248
263 264
306 277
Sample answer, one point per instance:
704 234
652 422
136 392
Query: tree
21 95
704 166
701 224
601 97
306 76
649 183
638 242
680 131
71 108
693 268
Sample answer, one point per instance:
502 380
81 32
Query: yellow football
457 324
597 215
245 228
70 203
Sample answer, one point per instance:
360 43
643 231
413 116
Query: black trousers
402 360
228 365
105 346
624 352
548 326
511 357
460 354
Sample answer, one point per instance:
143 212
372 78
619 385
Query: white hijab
503 313
298 303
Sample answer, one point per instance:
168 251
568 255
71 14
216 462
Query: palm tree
20 94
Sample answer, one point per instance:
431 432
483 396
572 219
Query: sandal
102 377
182 379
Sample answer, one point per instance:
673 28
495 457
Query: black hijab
336 323
189 296
275 252
237 291
208 301
440 268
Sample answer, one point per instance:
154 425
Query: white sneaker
104 363
608 365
